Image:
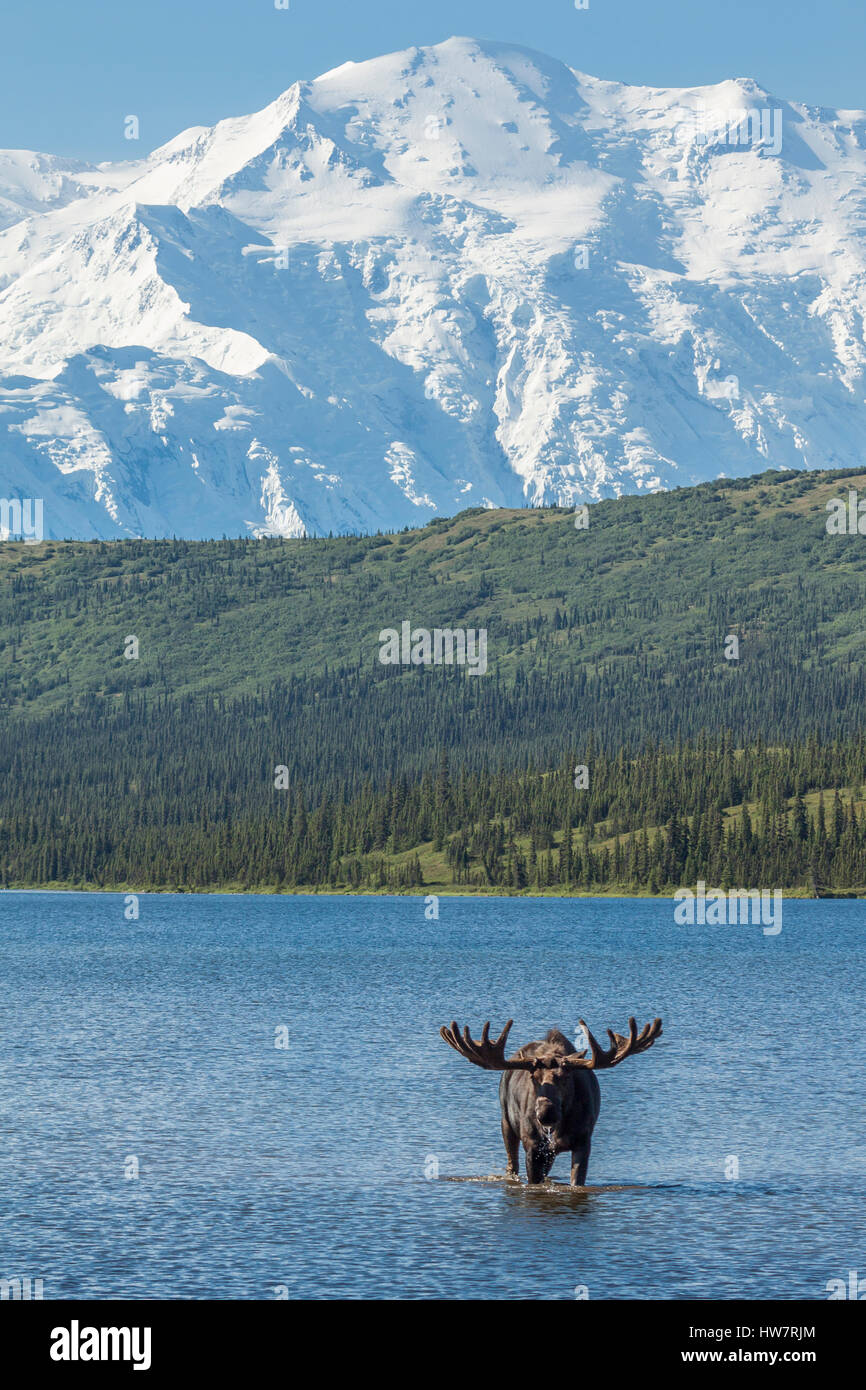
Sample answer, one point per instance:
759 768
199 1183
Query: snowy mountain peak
451 276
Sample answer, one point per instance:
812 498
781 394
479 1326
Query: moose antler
600 1060
486 1054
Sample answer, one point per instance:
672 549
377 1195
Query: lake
737 1141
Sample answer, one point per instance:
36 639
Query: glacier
455 276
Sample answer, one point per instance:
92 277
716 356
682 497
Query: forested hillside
606 648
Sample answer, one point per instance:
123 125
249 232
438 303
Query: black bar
227 1339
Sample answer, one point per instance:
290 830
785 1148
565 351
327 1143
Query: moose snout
546 1112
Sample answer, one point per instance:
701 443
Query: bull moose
549 1096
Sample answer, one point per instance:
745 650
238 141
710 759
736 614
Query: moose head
549 1096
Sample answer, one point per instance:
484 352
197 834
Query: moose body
549 1094
549 1111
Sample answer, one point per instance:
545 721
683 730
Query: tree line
650 818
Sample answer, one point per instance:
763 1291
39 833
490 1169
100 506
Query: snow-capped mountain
454 276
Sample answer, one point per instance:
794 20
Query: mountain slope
623 624
256 739
455 276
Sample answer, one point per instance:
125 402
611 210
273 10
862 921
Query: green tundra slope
604 643
653 583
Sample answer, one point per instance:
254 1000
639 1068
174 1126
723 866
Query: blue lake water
304 1168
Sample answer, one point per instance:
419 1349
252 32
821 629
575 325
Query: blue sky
71 72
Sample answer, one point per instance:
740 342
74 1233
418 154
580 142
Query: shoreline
427 891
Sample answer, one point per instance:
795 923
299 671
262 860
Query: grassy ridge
159 772
658 579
